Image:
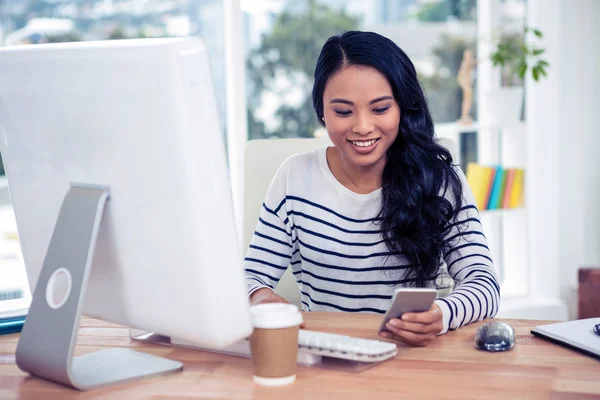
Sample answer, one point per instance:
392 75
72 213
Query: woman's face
361 115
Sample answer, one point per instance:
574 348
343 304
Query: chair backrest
262 158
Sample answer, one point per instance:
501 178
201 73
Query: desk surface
450 367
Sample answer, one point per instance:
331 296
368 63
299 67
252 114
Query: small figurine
465 81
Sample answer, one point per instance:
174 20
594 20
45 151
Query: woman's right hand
265 295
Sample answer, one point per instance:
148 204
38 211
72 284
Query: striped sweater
330 237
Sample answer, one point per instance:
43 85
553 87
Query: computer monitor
135 120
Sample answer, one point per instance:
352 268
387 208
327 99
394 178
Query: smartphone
408 300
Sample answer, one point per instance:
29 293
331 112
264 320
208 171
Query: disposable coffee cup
274 343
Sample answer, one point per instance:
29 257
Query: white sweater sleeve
476 293
271 247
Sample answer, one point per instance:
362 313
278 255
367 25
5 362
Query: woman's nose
363 125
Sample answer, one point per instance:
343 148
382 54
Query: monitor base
47 341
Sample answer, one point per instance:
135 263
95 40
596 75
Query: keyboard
313 345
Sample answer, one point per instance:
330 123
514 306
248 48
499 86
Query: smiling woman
383 208
362 120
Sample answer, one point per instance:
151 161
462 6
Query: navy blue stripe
467 207
263 262
262 221
449 308
295 252
346 309
484 278
347 295
300 214
329 210
366 269
445 242
448 227
334 239
465 257
296 262
492 277
253 271
257 233
357 283
492 297
355 257
476 298
463 246
306 304
487 304
270 251
464 308
455 307
469 266
489 281
472 306
279 206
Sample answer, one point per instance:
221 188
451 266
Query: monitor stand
47 341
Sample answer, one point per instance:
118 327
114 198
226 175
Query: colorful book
481 180
488 182
516 197
497 189
474 178
508 187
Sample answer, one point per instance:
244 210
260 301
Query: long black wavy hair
421 191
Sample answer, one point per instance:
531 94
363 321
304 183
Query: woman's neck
362 180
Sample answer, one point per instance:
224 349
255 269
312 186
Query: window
283 40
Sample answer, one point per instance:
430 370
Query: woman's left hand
417 329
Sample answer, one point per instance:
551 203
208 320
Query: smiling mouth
364 143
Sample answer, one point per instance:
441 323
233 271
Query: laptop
578 335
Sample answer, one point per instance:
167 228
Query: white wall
563 115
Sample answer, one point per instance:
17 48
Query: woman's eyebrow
378 99
381 99
343 101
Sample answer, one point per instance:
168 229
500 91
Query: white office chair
262 158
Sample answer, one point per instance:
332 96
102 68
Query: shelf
503 211
476 126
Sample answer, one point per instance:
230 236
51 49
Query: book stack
496 187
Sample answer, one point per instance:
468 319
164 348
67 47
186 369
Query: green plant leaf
499 58
543 63
535 72
522 69
541 68
538 33
537 52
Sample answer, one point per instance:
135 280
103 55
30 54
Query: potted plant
516 56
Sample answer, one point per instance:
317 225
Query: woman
381 209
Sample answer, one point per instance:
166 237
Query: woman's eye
342 113
381 110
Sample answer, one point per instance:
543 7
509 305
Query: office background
263 53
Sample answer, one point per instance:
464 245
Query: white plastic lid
275 315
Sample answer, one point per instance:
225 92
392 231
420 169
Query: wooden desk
448 368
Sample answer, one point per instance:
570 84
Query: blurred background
263 54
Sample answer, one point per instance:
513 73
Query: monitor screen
139 117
